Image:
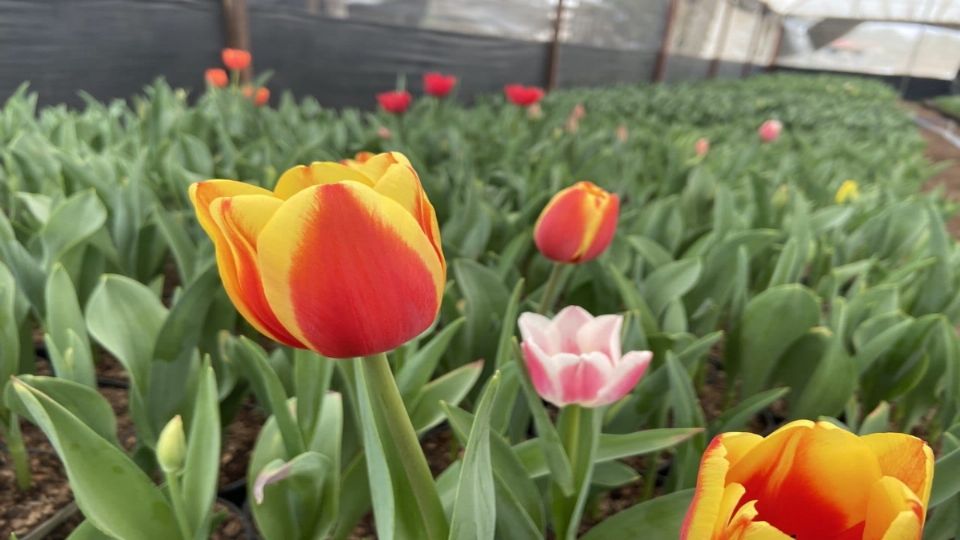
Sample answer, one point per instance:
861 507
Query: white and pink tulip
769 131
575 358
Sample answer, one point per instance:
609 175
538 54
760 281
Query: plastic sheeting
109 48
920 11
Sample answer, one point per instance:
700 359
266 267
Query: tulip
236 59
261 96
438 85
341 259
521 95
702 146
216 77
769 131
577 224
811 481
575 358
395 101
622 133
384 133
172 446
573 120
849 191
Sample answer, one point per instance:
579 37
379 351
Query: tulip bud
622 133
577 224
769 131
172 446
236 59
702 146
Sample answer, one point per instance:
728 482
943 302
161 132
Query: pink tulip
769 131
575 358
702 146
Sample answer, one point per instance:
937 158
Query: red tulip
702 146
577 224
438 84
521 95
261 97
395 101
769 131
236 59
216 77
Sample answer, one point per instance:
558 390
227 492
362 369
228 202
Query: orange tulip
261 96
811 481
577 224
236 59
341 259
216 77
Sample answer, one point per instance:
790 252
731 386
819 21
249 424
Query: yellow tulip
811 481
849 191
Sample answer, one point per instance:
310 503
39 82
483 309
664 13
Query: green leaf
670 282
270 393
738 416
67 329
656 518
9 326
417 370
111 491
71 222
87 404
182 247
620 445
86 531
474 512
452 387
946 478
202 463
771 322
878 421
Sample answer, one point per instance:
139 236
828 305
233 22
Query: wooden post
721 39
553 59
660 68
238 30
778 44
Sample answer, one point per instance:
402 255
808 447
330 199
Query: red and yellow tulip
811 481
343 259
577 224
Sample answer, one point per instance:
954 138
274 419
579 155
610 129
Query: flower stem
551 289
173 486
18 453
580 433
396 429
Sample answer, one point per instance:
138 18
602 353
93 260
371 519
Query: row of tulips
665 255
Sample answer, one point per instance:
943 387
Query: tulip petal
542 372
401 183
626 374
904 457
298 178
893 512
348 271
581 382
561 227
376 166
601 230
535 328
239 221
202 194
808 479
602 334
566 326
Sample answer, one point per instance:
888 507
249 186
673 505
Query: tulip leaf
946 478
111 491
452 387
878 421
613 474
86 531
71 222
87 404
657 518
181 246
67 329
740 415
670 282
9 327
417 370
202 462
772 321
270 393
475 512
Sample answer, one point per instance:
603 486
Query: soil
234 525
239 438
939 150
22 511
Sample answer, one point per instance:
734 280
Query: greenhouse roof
940 12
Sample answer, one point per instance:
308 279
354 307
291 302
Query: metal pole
553 60
721 39
660 68
238 30
758 26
